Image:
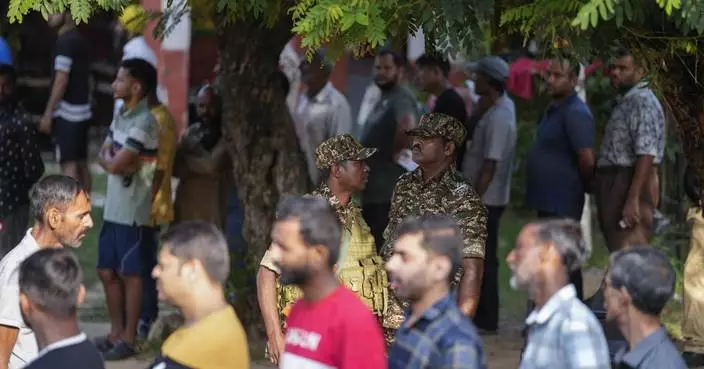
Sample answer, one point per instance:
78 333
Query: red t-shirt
337 332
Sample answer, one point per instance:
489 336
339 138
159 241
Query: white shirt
63 343
325 115
25 349
138 48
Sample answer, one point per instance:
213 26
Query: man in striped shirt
129 155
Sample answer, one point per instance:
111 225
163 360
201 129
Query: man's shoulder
12 260
577 317
460 187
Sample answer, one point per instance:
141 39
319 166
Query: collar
141 106
347 212
548 310
445 176
639 86
554 106
323 93
634 357
63 343
28 238
435 311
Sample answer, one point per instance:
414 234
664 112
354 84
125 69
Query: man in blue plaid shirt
562 332
435 334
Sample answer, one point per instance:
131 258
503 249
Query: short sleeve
64 55
497 133
472 220
580 128
404 106
268 263
650 127
143 135
10 314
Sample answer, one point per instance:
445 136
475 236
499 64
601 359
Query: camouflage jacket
448 193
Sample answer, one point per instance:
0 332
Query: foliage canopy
339 25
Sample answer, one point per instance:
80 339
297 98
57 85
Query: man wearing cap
341 159
488 164
436 187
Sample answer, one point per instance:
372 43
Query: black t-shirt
72 55
80 355
452 104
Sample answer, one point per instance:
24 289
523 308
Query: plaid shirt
565 334
440 338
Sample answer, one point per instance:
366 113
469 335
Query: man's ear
53 217
25 305
81 296
450 148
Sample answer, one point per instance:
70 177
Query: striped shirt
135 130
72 56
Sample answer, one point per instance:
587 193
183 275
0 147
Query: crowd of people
392 261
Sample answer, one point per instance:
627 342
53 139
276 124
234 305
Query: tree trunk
267 161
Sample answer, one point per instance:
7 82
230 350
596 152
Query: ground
502 350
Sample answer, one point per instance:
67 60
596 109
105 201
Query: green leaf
347 21
362 19
602 12
628 9
594 18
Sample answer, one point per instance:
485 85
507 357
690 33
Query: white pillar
586 221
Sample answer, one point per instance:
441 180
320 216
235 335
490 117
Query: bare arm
58 89
470 285
585 160
124 161
266 296
644 167
8 338
487 174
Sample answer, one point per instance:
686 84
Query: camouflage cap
440 125
340 148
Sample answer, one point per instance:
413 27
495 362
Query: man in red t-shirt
330 327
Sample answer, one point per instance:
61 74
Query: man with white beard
562 332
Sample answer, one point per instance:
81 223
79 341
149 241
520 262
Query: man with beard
639 283
329 327
436 334
68 112
385 129
561 160
436 187
341 159
21 163
61 208
562 332
51 290
632 147
132 142
489 165
193 268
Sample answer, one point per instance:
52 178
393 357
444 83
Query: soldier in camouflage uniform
341 158
436 187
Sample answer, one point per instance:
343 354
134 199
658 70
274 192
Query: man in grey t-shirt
488 163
